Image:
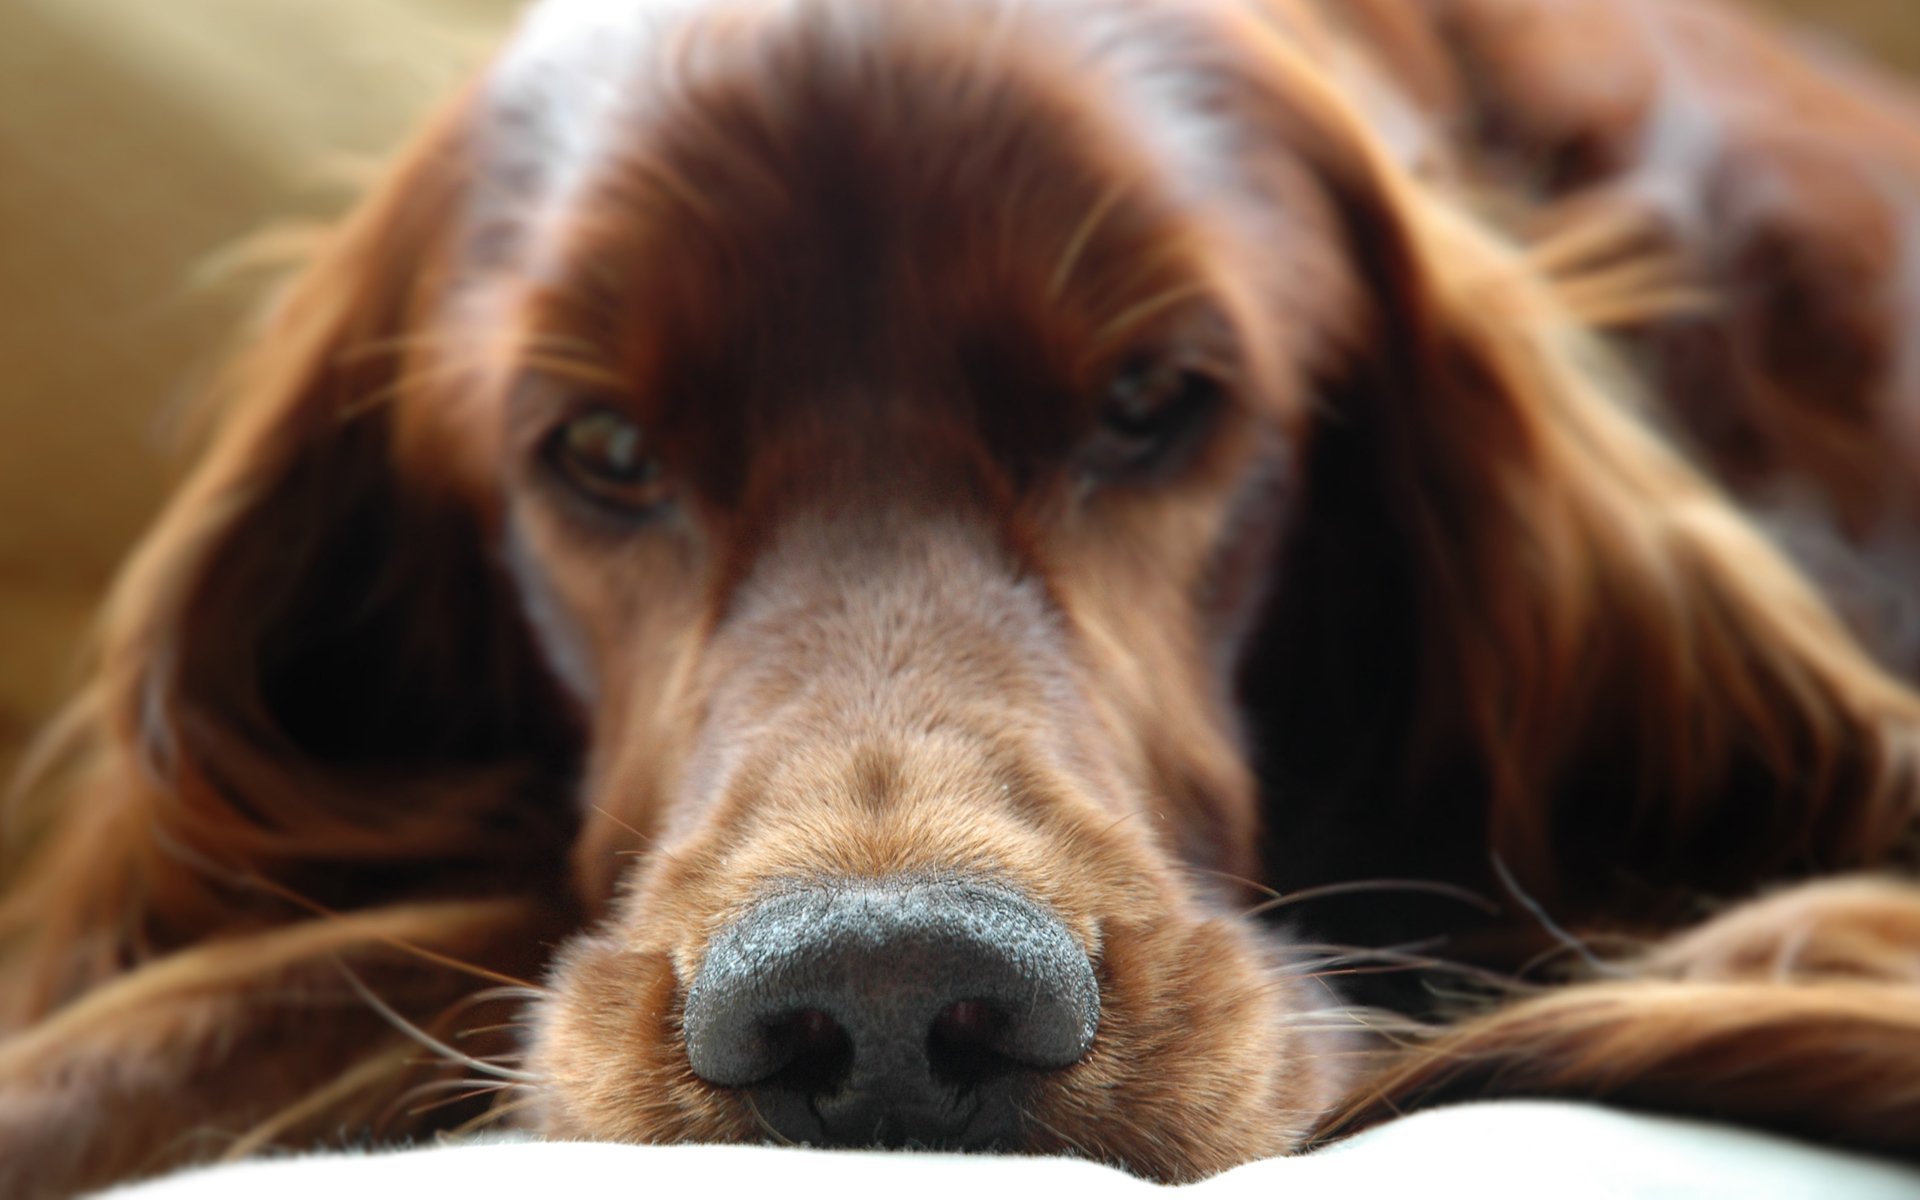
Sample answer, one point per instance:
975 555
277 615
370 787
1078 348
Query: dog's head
905 401
852 487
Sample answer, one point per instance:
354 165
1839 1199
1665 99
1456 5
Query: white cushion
1487 1151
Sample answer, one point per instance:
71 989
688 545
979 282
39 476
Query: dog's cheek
607 1056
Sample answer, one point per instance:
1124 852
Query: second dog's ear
313 671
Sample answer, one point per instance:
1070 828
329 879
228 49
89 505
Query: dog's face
839 500
906 404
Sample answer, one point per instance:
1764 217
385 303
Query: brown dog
864 522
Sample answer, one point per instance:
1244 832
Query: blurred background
140 142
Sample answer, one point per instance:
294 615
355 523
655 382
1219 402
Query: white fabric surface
1484 1151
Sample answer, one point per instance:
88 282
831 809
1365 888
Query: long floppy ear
1760 1016
311 673
1513 619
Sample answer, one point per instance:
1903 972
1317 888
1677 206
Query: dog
990 574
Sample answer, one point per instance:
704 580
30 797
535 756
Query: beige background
140 141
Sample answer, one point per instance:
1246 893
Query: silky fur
380 706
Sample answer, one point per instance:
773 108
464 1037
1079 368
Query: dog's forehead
583 80
760 215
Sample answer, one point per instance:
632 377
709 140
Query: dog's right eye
604 456
1151 409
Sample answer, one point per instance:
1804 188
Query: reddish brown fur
1425 597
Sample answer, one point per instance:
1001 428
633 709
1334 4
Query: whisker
500 1027
426 1039
494 1115
1431 887
1135 815
609 815
1242 880
1593 961
1411 956
509 992
1346 1027
491 996
1336 972
1066 1142
534 990
1358 1014
441 1085
473 1091
766 1126
499 1058
1626 943
1339 951
359 1078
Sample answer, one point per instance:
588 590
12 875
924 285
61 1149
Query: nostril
964 1045
808 1051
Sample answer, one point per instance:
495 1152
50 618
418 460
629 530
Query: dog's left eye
605 457
1151 410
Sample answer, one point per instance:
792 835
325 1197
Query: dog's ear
1505 585
312 672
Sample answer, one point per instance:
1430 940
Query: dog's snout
891 1012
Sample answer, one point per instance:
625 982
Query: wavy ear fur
1512 619
1798 1012
311 673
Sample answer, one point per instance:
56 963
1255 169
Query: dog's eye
1151 410
604 456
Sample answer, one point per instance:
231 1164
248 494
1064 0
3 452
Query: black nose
896 1013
